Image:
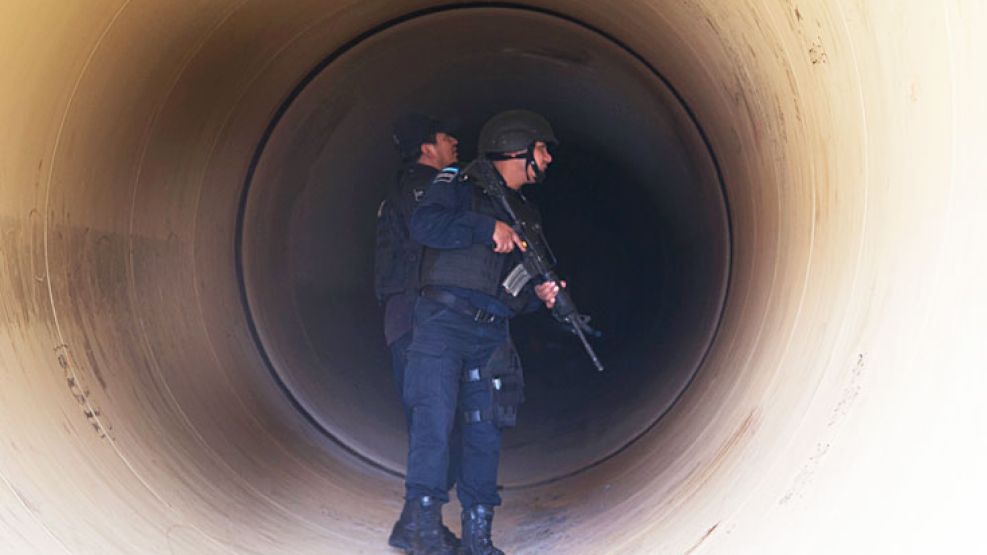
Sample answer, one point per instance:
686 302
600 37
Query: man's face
542 159
443 151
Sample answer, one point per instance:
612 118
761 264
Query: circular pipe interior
633 206
192 355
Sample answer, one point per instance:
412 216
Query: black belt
461 306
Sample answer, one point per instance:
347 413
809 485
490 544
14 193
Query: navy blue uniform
457 331
398 258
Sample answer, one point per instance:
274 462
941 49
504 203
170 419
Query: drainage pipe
183 374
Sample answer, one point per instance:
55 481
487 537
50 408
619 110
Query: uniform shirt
444 220
399 307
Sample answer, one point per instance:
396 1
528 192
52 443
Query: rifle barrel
586 345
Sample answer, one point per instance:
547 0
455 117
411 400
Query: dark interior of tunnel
192 354
636 221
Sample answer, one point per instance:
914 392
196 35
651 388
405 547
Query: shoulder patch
446 175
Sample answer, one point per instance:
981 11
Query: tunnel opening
633 206
140 417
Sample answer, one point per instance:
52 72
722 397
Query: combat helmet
515 132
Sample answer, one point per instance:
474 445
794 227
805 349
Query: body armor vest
477 266
397 256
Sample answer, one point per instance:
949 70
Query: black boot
477 522
423 530
404 530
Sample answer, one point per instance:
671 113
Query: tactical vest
397 256
477 266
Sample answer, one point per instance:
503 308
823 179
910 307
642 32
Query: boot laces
480 523
430 531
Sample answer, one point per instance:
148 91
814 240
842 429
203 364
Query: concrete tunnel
772 209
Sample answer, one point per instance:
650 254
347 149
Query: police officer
461 363
426 145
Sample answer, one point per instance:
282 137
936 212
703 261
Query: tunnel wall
837 410
310 210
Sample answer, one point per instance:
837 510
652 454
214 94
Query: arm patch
447 175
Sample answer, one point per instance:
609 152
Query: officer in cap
426 145
461 363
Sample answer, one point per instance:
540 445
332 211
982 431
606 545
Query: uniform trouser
399 363
445 344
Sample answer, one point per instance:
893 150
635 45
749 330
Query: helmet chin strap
529 159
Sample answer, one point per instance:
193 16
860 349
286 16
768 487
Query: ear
428 150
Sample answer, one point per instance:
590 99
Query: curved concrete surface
308 229
837 410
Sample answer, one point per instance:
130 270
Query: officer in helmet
426 145
461 363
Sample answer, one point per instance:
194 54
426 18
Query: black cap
412 130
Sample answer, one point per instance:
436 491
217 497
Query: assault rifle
538 259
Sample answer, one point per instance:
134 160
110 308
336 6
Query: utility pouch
508 394
506 385
506 378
